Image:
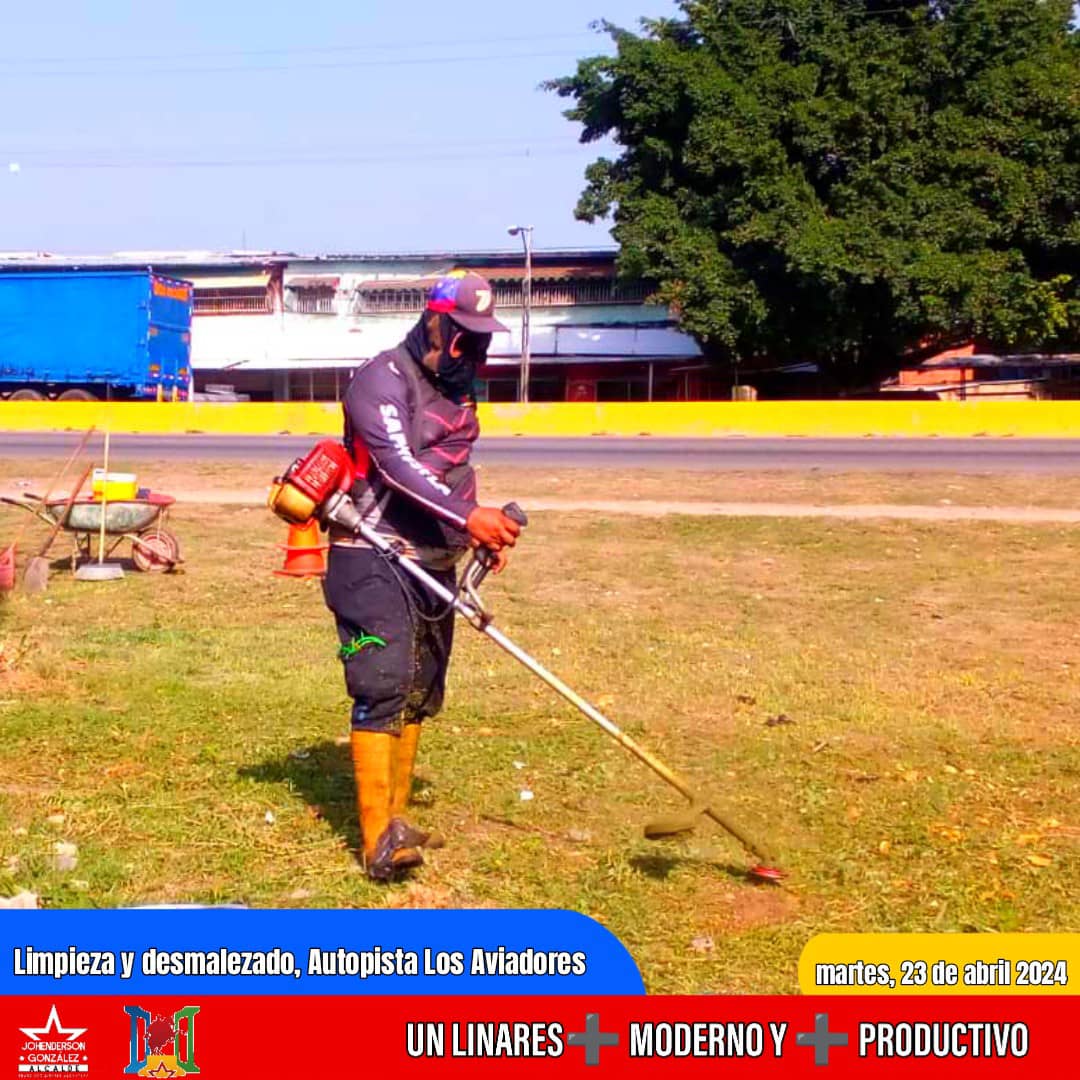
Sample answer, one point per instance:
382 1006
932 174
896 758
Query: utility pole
526 234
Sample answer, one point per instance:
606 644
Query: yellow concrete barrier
821 419
154 418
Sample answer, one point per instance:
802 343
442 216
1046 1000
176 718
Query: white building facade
277 326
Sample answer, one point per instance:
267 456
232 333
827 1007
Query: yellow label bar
899 964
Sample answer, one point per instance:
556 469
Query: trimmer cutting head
680 824
771 874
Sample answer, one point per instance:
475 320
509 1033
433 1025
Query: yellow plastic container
115 486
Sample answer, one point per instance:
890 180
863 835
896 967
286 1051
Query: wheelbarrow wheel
157 552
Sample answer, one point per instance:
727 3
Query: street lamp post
526 234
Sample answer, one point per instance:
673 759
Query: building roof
139 259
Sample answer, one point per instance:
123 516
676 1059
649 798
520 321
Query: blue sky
251 111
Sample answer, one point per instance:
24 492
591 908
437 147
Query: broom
37 570
36 577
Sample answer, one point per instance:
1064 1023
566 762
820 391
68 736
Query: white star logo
52 1026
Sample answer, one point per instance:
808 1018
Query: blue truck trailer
89 335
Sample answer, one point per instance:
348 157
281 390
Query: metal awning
313 281
662 363
547 273
496 275
391 284
270 364
228 281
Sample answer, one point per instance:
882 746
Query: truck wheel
26 394
76 395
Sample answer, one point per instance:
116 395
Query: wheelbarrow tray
124 516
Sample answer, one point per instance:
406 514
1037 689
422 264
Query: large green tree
845 180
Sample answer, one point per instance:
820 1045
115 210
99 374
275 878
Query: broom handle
481 622
67 510
56 480
104 503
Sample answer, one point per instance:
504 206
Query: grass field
893 706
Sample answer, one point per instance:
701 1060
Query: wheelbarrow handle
33 511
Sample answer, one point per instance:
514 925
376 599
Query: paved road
836 455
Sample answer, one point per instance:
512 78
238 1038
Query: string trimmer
318 486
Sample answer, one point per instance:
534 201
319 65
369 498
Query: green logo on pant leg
359 644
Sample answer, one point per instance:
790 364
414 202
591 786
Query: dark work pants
396 668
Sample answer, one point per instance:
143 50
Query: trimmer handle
483 559
484 555
515 514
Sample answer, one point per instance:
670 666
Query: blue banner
216 951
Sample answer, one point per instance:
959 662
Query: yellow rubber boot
403 776
373 768
408 741
387 843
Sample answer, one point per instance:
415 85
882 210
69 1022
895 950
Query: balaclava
450 353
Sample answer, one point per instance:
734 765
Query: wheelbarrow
140 522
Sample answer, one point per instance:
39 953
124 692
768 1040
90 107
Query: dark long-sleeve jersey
420 487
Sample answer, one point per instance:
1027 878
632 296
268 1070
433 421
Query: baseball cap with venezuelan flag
468 299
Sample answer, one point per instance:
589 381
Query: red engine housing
326 469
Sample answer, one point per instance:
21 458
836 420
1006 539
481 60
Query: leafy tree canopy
844 180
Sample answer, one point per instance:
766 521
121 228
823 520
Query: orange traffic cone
7 567
303 552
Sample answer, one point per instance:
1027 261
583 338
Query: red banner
300 1037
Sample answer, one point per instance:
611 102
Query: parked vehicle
88 335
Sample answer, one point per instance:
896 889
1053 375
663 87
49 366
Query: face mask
468 347
459 360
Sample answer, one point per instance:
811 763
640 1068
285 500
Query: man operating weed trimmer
399 498
412 410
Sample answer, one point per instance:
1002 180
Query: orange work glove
491 527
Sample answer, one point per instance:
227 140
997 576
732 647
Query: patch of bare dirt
27 789
751 907
418 896
24 683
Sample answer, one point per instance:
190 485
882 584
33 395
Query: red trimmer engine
316 486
